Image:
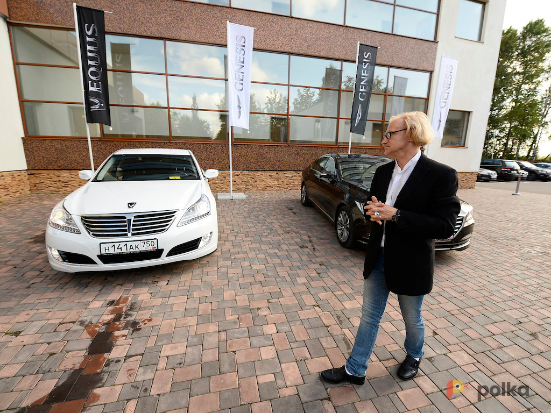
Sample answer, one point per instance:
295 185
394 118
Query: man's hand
378 211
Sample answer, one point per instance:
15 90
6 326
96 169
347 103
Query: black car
545 165
506 170
338 185
534 172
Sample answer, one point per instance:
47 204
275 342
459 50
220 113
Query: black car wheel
344 227
531 176
304 196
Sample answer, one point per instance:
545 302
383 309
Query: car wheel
344 227
531 176
304 196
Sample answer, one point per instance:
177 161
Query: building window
470 20
294 99
455 131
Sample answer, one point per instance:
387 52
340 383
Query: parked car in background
544 165
142 207
523 175
338 185
506 170
486 175
534 172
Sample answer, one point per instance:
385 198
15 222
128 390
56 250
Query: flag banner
365 70
91 33
240 50
399 88
446 81
330 99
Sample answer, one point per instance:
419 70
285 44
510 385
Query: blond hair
417 126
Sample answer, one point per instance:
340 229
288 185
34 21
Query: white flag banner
399 88
240 50
446 80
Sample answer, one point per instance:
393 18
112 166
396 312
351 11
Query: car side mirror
85 174
211 173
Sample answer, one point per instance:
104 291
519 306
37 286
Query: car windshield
148 168
525 164
358 169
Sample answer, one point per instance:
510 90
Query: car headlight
469 219
62 220
197 211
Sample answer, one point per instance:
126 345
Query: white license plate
128 247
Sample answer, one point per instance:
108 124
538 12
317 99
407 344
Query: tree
517 109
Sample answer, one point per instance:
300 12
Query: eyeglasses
388 135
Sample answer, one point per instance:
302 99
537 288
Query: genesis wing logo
131 204
358 115
238 107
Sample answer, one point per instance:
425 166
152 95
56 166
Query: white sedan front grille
128 225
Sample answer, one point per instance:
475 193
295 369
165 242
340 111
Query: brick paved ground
248 328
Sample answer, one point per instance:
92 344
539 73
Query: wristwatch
396 216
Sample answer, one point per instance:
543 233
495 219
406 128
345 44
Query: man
413 202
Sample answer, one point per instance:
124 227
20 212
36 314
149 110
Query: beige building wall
474 83
12 156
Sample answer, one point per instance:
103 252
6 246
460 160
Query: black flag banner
365 70
91 34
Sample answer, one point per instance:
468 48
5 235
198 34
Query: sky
517 14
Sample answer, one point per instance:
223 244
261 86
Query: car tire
531 176
344 227
304 200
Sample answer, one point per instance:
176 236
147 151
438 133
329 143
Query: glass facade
414 18
469 20
168 90
455 130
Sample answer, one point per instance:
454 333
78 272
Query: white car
142 207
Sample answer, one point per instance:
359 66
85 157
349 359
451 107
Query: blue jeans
374 303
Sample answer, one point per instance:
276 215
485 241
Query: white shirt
397 182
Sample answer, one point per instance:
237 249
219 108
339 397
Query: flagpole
350 143
231 169
82 86
354 89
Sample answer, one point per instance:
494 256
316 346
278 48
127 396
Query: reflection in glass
263 128
195 59
54 47
376 106
312 130
194 124
469 20
135 53
372 137
408 83
331 11
369 15
269 6
218 2
270 67
137 89
396 105
137 123
428 5
268 98
50 83
414 23
56 119
185 92
308 71
314 102
455 130
349 76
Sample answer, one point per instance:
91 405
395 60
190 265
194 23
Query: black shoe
340 375
409 368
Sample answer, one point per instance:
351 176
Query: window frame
466 132
483 21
